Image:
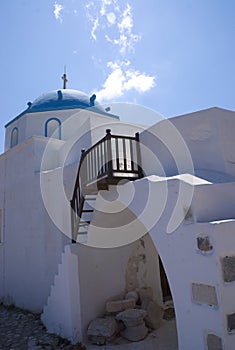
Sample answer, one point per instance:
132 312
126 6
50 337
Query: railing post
83 173
72 202
72 219
140 172
109 152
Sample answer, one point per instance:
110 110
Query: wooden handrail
114 156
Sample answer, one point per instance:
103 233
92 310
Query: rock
144 304
145 293
169 314
136 333
132 317
33 344
119 305
101 330
97 340
154 315
24 330
132 295
117 297
133 320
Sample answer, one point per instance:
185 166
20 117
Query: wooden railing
111 159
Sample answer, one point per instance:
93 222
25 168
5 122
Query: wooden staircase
110 160
86 209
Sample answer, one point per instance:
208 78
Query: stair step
82 239
84 223
84 214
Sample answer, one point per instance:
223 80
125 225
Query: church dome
62 99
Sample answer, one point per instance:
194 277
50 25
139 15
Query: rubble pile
131 315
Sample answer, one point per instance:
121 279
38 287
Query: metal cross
64 78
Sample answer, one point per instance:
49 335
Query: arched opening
14 137
133 270
166 291
167 329
53 128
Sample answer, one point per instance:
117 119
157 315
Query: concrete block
203 244
214 342
231 323
204 294
120 305
228 268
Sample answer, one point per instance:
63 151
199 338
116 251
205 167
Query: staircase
86 210
61 314
110 160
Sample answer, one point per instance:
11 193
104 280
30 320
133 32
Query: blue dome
63 99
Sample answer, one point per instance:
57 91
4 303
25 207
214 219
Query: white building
180 207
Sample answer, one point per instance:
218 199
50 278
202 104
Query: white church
92 207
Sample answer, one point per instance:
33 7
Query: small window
53 128
14 137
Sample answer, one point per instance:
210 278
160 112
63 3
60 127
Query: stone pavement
21 330
164 338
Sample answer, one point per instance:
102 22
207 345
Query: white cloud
57 11
126 38
94 27
139 81
127 21
122 79
113 86
111 18
108 13
104 4
114 23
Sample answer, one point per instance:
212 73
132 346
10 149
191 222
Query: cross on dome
64 78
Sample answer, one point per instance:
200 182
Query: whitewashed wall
101 275
2 224
206 136
33 124
202 299
32 244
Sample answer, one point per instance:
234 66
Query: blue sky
172 56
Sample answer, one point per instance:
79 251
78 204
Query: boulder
154 315
132 317
135 333
117 297
101 330
132 295
144 304
120 305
